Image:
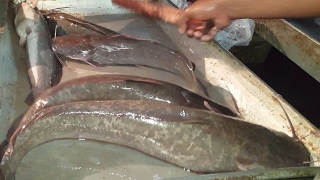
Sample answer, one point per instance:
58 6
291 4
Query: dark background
289 80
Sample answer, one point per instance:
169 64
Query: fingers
190 32
208 37
181 22
194 20
197 34
204 37
200 35
220 23
183 28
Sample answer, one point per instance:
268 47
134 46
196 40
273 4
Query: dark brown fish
198 140
101 50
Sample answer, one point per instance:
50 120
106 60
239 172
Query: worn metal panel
292 42
14 83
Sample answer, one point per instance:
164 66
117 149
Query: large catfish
102 50
62 24
114 87
198 140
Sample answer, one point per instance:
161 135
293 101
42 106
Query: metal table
298 39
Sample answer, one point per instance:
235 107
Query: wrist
229 8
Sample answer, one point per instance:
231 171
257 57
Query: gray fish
101 50
61 24
43 65
198 140
114 87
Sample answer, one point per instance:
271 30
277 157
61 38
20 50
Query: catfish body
113 87
61 24
198 140
101 50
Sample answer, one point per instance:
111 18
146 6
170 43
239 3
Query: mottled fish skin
114 87
43 65
100 50
198 140
61 24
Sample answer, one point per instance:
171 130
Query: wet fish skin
198 140
109 45
67 27
112 87
61 24
100 50
43 66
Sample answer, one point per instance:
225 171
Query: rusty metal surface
308 26
298 46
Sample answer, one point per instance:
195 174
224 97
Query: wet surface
289 80
64 169
43 155
70 159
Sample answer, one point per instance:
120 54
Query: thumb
221 22
182 28
181 22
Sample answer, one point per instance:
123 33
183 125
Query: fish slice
165 13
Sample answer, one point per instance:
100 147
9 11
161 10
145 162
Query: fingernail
190 32
197 34
206 38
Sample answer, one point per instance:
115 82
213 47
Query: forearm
270 8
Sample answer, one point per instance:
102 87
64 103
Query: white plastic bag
238 33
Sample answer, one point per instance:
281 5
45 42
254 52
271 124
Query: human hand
204 10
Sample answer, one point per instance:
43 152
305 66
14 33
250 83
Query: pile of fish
168 117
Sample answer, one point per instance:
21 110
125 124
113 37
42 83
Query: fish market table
295 38
217 67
